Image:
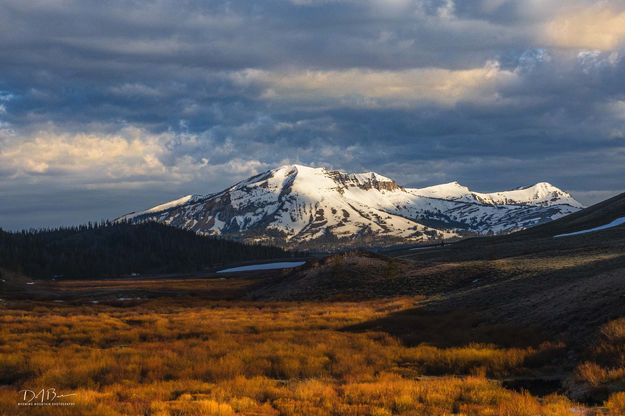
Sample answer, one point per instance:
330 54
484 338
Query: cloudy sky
112 106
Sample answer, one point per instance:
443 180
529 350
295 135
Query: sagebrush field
172 357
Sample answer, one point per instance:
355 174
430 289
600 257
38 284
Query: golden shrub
616 404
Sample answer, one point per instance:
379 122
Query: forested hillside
107 249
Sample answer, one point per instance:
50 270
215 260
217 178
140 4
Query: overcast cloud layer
109 107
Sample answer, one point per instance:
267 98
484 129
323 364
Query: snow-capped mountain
297 205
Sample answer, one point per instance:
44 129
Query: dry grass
224 358
603 373
616 404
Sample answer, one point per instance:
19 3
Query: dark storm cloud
145 100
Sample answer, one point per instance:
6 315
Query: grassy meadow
189 356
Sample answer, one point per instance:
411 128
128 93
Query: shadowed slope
594 216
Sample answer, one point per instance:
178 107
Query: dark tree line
113 249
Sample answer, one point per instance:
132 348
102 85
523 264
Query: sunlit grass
226 358
603 372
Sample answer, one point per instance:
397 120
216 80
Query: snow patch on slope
162 207
615 223
171 204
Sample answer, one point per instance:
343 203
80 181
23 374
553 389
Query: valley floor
193 356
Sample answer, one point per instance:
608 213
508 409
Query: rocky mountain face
304 207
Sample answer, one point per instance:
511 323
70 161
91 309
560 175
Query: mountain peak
451 190
295 205
372 176
541 193
542 186
318 177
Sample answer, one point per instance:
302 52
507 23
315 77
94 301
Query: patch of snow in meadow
265 266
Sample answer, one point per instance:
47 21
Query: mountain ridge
296 205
